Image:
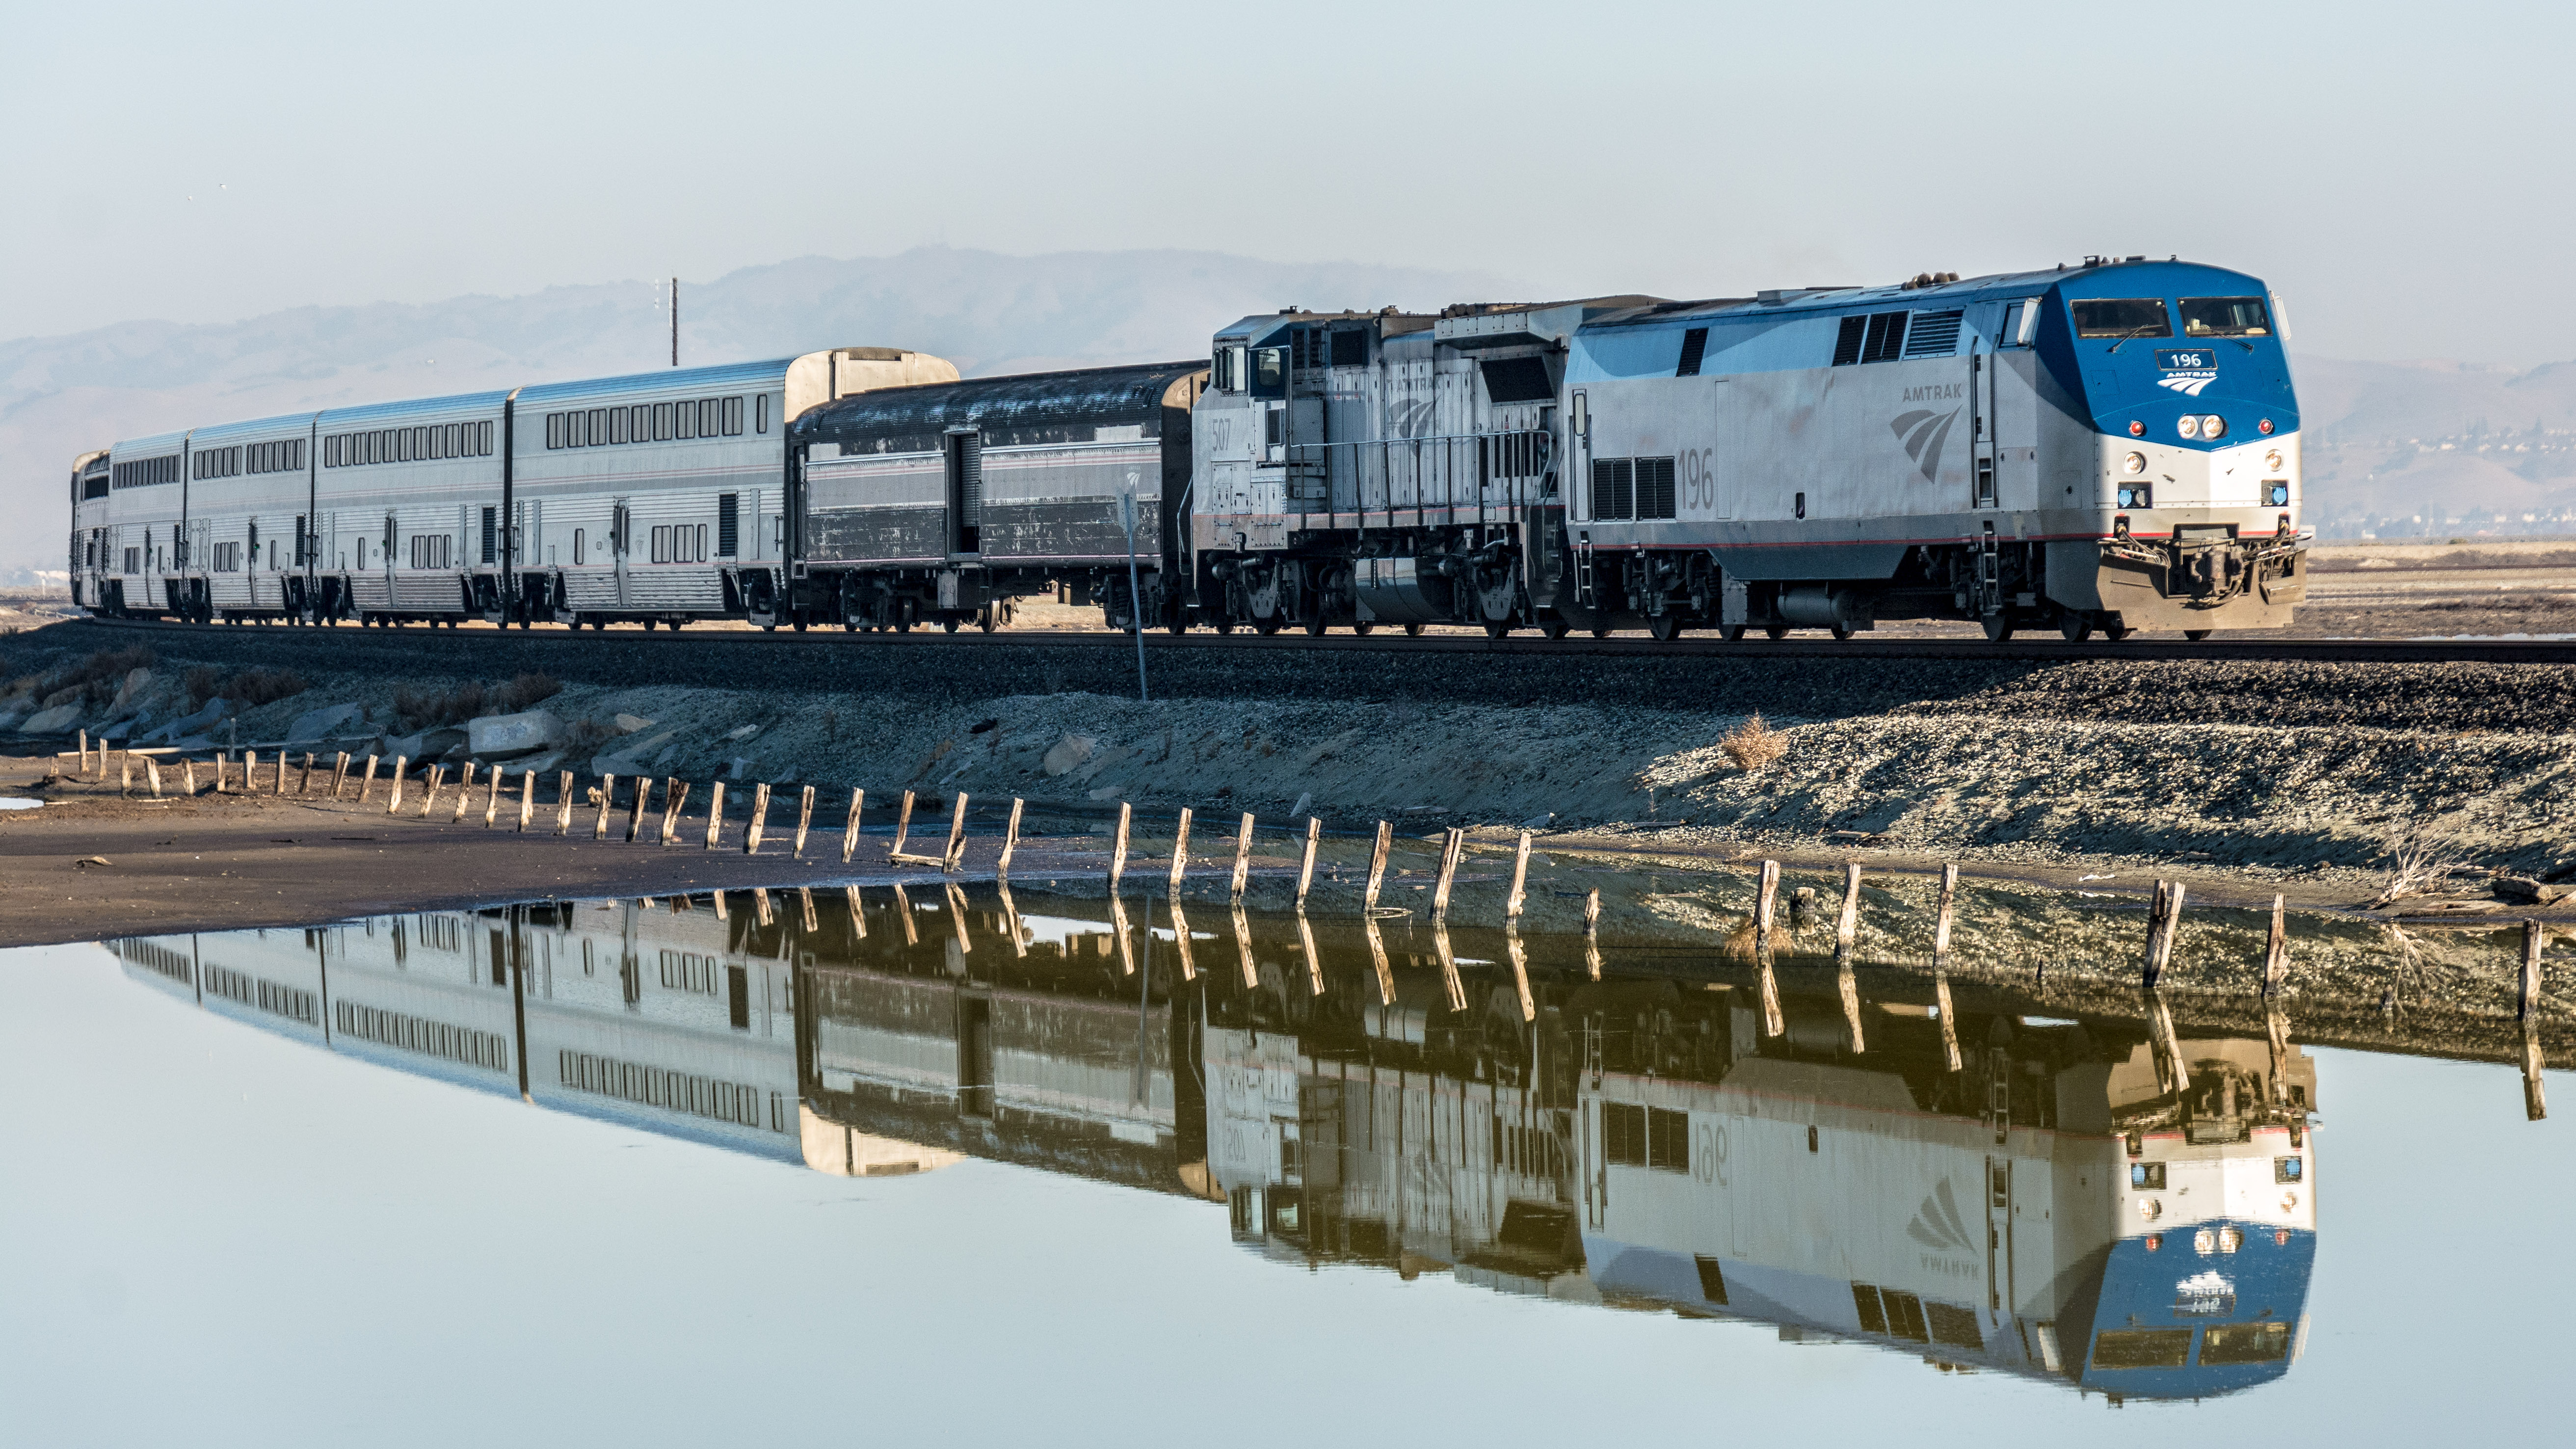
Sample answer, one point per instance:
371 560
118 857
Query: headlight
2230 1239
2140 496
2213 426
2150 1209
2134 463
2189 426
2204 1242
2272 460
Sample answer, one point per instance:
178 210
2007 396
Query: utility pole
675 321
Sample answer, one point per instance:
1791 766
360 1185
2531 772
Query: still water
977 1169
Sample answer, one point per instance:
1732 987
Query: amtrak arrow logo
1924 431
1938 1226
2188 384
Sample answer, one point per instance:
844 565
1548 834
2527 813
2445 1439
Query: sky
2390 170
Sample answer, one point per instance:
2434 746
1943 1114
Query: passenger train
2106 447
2069 1203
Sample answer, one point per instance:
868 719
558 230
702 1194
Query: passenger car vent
1694 347
1934 334
1517 380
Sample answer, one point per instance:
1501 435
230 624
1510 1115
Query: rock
136 681
628 724
545 764
744 733
1068 753
55 721
624 766
9 720
2531 892
430 744
87 861
1539 822
192 723
504 735
313 724
1106 792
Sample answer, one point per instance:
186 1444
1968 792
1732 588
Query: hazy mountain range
2447 441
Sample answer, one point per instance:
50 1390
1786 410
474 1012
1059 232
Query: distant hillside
2398 448
60 396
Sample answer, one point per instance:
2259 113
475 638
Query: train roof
2096 276
254 430
413 410
1019 403
670 381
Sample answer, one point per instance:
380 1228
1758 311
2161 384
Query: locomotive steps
2300 773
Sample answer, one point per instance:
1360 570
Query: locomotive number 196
1698 468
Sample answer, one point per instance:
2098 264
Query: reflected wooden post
464 793
1592 956
1520 877
759 895
1010 846
903 912
1181 938
1119 923
956 898
1592 911
2276 1032
1452 846
1314 958
1377 959
1449 981
850 827
1011 918
717 899
1118 847
563 804
2535 1097
2535 938
1848 983
1941 968
858 913
527 799
1766 902
1306 862
1377 864
2165 919
955 855
1243 948
805 898
1773 1022
607 799
804 821
2276 951
715 814
1520 971
2172 1074
1242 854
1181 848
675 798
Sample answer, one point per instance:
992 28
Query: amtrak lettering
1936 392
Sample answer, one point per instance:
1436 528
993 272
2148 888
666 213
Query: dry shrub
247 688
1754 744
420 709
94 680
2421 858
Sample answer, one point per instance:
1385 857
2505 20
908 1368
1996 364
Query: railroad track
2023 650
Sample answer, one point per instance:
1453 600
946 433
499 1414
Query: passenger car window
2122 317
2225 317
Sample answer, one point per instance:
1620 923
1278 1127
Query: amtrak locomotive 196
2112 446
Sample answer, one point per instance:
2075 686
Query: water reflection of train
2070 1204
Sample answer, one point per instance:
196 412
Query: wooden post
805 898
84 752
675 798
1592 911
2535 936
1520 971
402 772
1181 848
607 797
804 820
527 799
1010 845
1243 948
188 777
1377 864
152 772
1377 958
1181 939
492 797
759 826
1847 925
1520 878
715 814
1118 847
563 804
850 827
1766 900
429 796
902 828
2165 920
339 773
304 783
635 815
464 793
1941 926
1314 958
955 855
1452 845
2276 952
367 786
278 786
1306 862
1449 981
858 915
1242 853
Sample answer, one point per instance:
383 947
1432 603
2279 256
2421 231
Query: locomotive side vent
1847 342
1886 337
1934 334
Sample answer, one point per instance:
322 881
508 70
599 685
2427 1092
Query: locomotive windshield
2122 317
2225 317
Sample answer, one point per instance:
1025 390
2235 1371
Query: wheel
948 626
1776 631
1363 627
1266 627
1600 631
1998 628
1316 626
2076 625
1556 628
2116 632
988 621
1498 628
800 623
2195 635
1225 626
1665 627
903 625
1842 631
1413 631
1730 632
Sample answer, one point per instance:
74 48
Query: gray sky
2392 170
